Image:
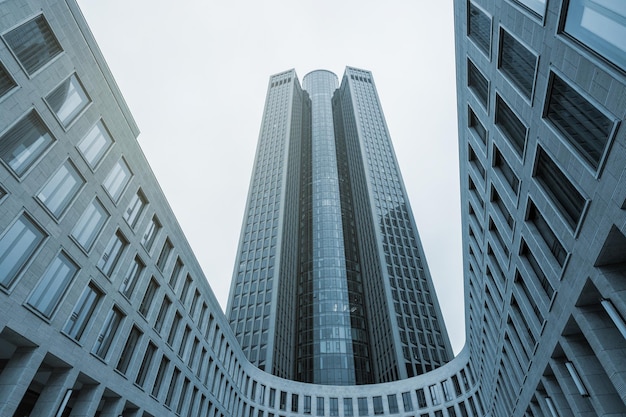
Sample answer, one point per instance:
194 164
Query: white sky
195 73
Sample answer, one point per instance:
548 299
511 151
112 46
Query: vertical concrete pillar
17 376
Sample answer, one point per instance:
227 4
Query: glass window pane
33 43
17 245
536 7
129 350
135 208
83 311
117 179
112 253
561 190
477 82
24 143
53 284
68 100
108 332
581 123
6 82
61 188
90 224
151 232
132 277
95 144
479 28
511 126
601 26
517 62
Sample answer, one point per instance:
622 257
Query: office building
330 284
104 310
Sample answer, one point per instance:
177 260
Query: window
505 170
33 44
294 403
117 180
83 311
107 333
148 297
183 341
151 232
59 191
6 82
407 401
584 126
393 403
164 255
24 143
165 306
174 328
185 291
320 406
129 349
477 82
68 100
95 144
543 280
433 394
156 388
421 398
511 126
334 406
599 25
447 396
517 62
53 284
535 7
477 126
561 191
132 277
178 267
112 253
307 404
17 246
172 388
90 224
479 28
135 208
544 229
362 403
146 363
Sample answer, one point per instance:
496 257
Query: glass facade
300 300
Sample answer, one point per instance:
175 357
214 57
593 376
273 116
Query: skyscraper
331 285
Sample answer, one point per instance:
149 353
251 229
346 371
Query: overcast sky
195 73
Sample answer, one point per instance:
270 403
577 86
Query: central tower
331 284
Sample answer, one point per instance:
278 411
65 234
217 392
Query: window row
597 25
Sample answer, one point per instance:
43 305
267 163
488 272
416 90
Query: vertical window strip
584 126
511 126
545 231
478 84
475 123
559 188
479 28
517 62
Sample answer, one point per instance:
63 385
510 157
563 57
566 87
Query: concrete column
17 376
